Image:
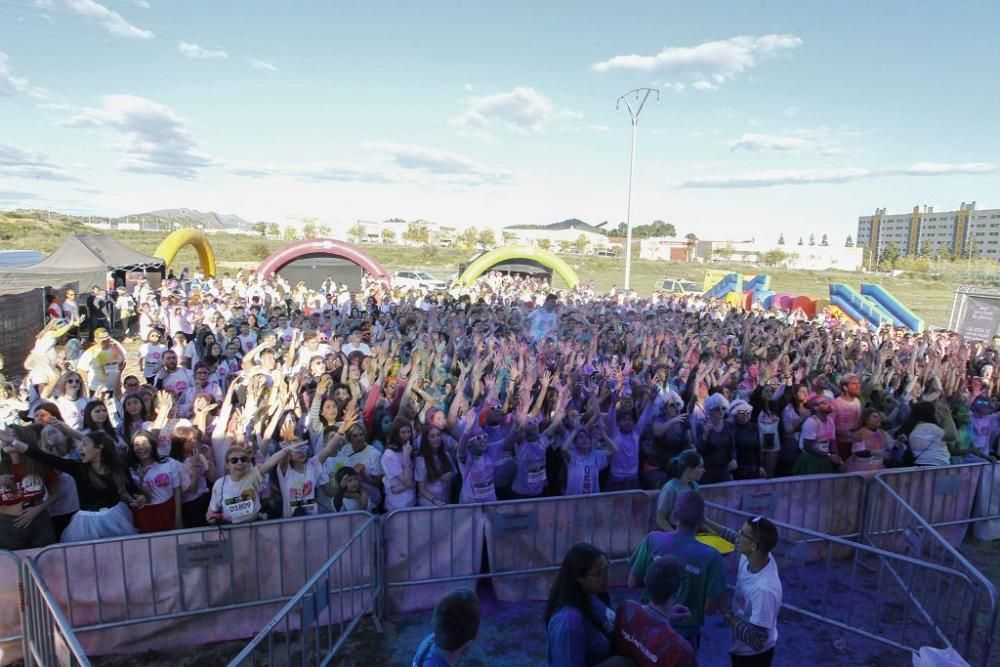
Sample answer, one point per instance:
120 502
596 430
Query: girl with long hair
578 614
435 471
103 485
160 479
197 474
134 416
71 397
397 463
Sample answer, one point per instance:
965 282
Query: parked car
410 279
677 286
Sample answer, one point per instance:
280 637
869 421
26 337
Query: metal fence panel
49 640
967 614
428 551
197 586
528 539
313 625
896 599
951 498
12 592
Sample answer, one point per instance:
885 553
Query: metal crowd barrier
968 614
195 586
430 550
316 621
874 593
830 504
12 587
951 498
49 640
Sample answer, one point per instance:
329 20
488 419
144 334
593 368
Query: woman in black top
103 485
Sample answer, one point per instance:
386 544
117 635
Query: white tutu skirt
112 522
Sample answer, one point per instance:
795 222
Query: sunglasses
73 381
239 459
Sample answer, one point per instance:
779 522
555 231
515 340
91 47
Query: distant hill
186 217
572 223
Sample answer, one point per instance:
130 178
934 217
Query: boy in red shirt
643 632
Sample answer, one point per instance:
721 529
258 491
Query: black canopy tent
80 263
86 258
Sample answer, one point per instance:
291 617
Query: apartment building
941 232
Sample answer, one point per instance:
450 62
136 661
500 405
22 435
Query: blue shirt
574 641
428 655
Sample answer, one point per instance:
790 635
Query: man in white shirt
176 380
355 344
543 320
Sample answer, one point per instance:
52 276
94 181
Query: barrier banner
430 543
530 534
242 574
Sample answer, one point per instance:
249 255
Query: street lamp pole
641 95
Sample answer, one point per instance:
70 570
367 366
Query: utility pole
641 95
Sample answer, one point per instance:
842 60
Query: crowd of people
235 399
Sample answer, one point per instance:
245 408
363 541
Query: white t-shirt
928 446
152 357
159 480
392 464
757 599
347 348
298 489
72 411
239 502
369 457
178 383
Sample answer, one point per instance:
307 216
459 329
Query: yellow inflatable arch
170 246
485 262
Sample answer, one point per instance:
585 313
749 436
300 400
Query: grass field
929 298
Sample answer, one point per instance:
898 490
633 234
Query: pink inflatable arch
330 247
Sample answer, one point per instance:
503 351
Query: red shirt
644 635
17 488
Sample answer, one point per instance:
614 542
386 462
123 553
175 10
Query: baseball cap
101 333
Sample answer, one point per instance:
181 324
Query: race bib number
588 481
239 508
483 491
504 459
536 474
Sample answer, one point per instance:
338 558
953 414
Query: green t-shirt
705 579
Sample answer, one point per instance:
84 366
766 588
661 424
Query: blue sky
773 117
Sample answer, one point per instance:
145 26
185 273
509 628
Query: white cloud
262 64
762 142
155 140
524 109
790 112
196 52
141 3
14 195
439 164
387 163
819 140
598 128
707 65
111 20
20 163
772 178
10 84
